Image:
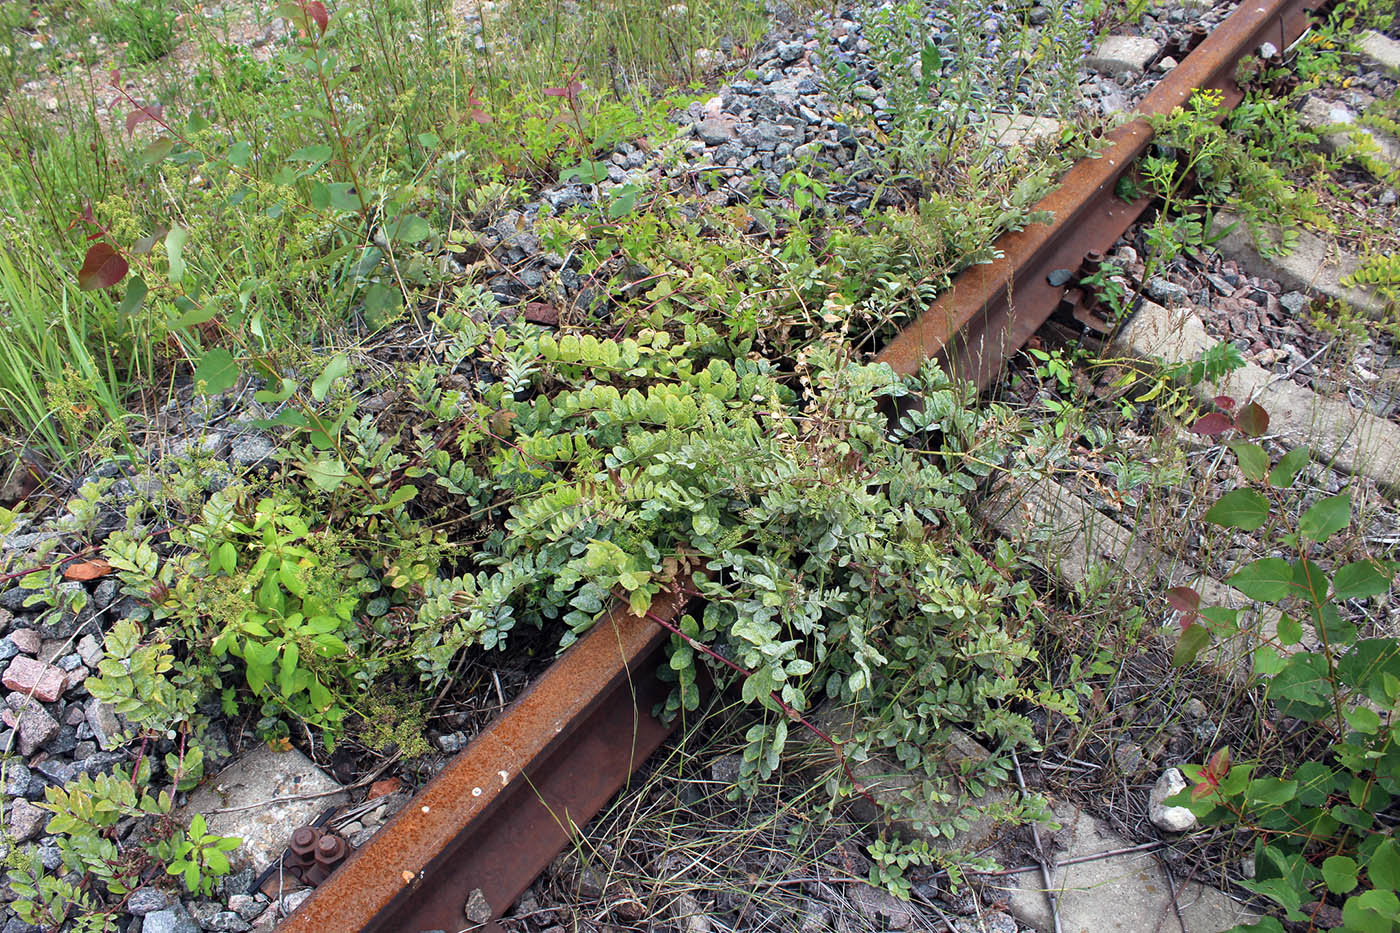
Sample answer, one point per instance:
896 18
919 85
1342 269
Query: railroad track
459 854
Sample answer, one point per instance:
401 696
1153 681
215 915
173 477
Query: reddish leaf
1225 402
87 570
102 267
1188 619
476 104
315 12
1211 424
115 79
1184 599
383 788
1252 420
570 89
1203 789
141 115
1219 764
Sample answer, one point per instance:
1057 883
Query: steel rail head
460 853
992 310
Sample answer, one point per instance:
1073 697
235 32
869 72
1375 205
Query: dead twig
1040 855
1171 890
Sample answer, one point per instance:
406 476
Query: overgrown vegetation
698 417
1318 824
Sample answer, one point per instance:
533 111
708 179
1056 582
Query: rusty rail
471 841
992 310
485 827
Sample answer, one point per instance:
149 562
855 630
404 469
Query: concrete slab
1020 130
1313 263
1128 892
1346 134
1382 50
1337 432
1069 536
1122 53
894 788
261 798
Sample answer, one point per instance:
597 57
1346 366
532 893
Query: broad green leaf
382 302
327 474
1286 470
408 228
1254 462
588 173
135 295
1193 638
268 397
703 524
1246 509
175 252
1362 578
1272 792
217 371
318 153
1339 872
1383 868
239 154
197 315
623 202
1267 661
1302 689
1373 911
401 495
1268 579
1365 665
337 367
157 150
1290 630
1363 719
1326 518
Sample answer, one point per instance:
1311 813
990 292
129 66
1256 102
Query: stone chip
26 675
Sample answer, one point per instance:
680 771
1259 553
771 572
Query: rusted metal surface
504 807
992 310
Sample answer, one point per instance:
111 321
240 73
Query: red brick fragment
26 675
